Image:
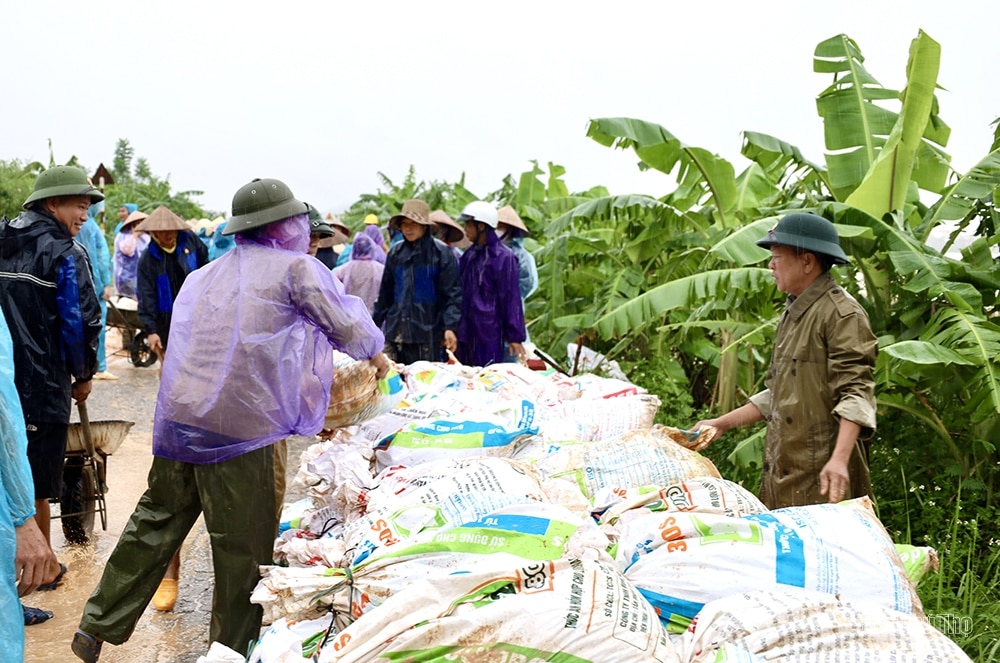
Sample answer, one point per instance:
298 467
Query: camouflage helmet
63 181
261 202
807 232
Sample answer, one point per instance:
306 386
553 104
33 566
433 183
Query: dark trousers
238 499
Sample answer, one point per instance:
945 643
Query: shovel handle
88 439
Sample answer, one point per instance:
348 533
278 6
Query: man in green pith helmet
48 299
250 363
819 403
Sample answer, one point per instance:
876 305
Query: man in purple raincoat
250 363
491 301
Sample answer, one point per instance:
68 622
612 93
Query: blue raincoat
93 240
18 497
492 313
221 244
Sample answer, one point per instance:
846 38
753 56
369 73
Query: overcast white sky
323 95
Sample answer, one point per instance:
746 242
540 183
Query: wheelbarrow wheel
79 501
140 353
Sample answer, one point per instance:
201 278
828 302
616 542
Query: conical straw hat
162 219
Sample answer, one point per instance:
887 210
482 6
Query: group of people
443 290
251 336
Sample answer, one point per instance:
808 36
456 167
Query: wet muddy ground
180 636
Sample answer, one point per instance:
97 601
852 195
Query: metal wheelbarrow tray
88 446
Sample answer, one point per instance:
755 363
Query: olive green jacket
821 371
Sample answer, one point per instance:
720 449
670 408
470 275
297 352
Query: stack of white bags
505 514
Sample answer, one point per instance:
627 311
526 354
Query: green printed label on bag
528 537
499 652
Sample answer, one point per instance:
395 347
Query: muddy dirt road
177 637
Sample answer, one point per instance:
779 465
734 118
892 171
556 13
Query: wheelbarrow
124 316
88 446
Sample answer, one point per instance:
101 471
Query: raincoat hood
375 235
291 234
363 247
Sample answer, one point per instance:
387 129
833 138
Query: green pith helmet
63 181
261 202
316 223
808 232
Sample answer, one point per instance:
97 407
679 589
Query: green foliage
17 180
680 278
388 200
140 186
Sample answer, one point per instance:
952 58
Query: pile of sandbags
503 514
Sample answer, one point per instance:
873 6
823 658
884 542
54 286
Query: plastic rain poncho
492 314
362 275
221 244
251 354
378 240
129 247
18 493
92 238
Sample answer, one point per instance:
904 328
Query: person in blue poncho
22 547
123 213
221 242
250 363
492 315
93 240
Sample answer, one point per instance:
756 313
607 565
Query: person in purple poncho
491 301
362 275
373 233
250 363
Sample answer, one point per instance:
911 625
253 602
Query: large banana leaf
885 186
776 155
687 291
978 340
981 182
609 207
856 127
699 172
923 352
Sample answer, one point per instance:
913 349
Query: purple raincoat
491 303
250 359
375 235
362 274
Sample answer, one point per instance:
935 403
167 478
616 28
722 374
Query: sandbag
681 561
510 537
570 610
600 419
699 494
640 458
413 504
290 641
455 437
810 627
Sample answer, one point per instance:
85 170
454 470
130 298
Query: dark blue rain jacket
161 275
419 297
48 299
